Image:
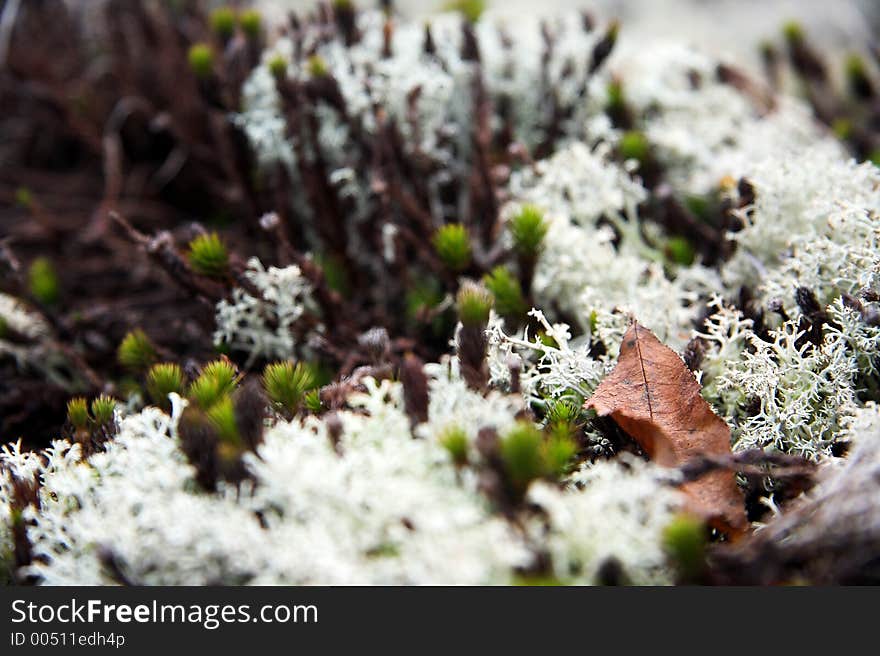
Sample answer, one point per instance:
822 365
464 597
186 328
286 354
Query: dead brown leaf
653 396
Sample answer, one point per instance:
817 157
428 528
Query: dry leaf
653 396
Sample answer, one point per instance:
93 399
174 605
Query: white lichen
267 325
378 507
634 496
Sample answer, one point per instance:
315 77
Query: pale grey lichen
596 267
267 325
804 203
380 507
575 530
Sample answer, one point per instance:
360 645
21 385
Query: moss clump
136 352
634 145
43 281
509 301
616 100
699 205
522 455
528 229
278 66
471 10
163 379
564 417
223 22
474 303
216 381
680 251
317 66
858 80
528 454
455 441
684 540
793 32
78 413
208 255
453 244
558 451
287 383
842 128
201 60
251 23
222 417
24 198
103 408
312 401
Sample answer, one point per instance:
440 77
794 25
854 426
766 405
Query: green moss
563 410
564 417
854 65
162 380
594 322
546 339
201 60
453 244
455 441
136 352
286 383
615 96
856 72
474 303
522 455
102 410
528 229
222 417
613 30
471 10
223 22
251 23
842 128
317 66
24 198
680 251
509 301
278 66
312 401
208 255
699 205
793 32
43 281
558 451
78 413
216 381
634 145
684 540
528 454
384 550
